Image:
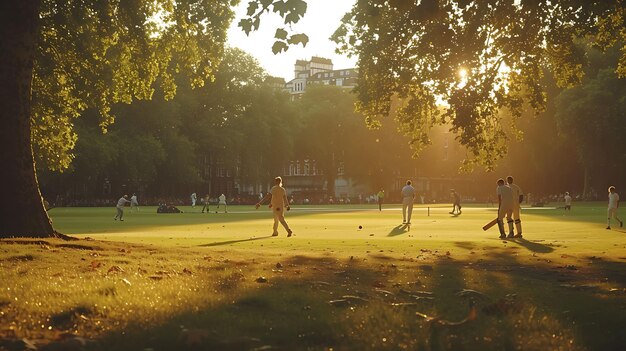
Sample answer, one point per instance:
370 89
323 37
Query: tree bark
22 213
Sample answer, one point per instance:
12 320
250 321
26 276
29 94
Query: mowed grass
221 282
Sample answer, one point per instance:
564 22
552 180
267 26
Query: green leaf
252 7
245 25
291 17
279 46
280 34
297 6
299 39
281 8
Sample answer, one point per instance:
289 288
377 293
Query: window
297 167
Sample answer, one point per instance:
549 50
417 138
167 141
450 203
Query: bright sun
462 73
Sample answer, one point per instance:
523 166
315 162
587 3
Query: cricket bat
490 224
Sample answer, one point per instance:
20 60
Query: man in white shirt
518 197
222 201
613 206
568 202
134 204
278 203
120 207
194 197
505 207
408 197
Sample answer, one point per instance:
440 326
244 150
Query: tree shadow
317 303
399 230
220 243
467 245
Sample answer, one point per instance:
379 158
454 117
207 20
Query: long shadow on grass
399 230
532 246
316 303
219 243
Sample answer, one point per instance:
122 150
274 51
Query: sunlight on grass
219 281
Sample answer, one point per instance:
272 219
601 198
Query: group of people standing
134 205
510 197
207 200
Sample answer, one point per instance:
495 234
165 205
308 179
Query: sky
319 23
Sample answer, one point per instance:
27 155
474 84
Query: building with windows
319 70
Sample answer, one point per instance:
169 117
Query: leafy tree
593 117
290 10
235 121
267 136
75 55
329 125
480 57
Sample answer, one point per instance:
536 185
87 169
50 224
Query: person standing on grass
120 207
206 204
134 204
222 201
278 203
518 197
568 202
194 197
408 197
456 202
505 207
613 206
381 198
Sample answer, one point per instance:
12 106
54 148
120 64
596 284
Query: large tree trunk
22 213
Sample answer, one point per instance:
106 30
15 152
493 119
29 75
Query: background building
319 70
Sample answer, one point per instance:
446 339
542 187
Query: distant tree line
240 124
237 124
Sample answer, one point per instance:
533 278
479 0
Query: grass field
194 281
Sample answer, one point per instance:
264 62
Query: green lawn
220 282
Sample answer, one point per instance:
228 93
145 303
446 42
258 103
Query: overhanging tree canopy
478 57
91 54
